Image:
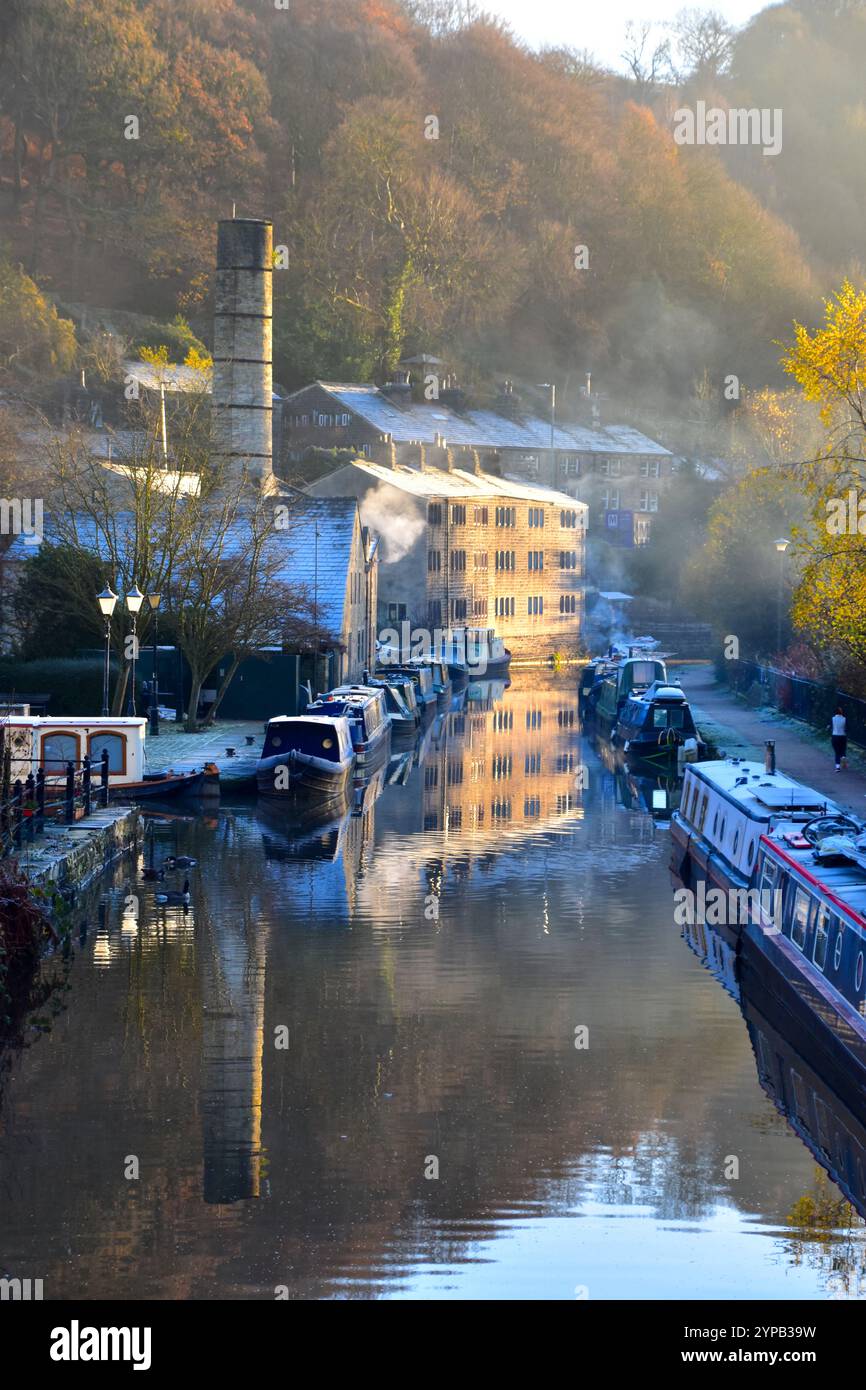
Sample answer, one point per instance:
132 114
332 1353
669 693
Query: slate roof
411 421
438 482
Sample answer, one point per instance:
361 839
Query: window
536 516
822 936
480 559
115 744
611 468
458 607
649 501
458 514
567 519
610 499
568 603
479 608
649 468
506 559
800 924
58 749
535 559
568 559
458 561
570 466
703 812
434 612
434 513
535 606
736 844
837 950
434 561
481 516
715 822
505 608
396 612
506 516
858 978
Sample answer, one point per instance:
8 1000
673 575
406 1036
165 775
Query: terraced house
470 548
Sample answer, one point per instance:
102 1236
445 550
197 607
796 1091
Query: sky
599 25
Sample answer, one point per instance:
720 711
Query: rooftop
435 482
410 421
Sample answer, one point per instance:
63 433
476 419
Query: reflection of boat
656 723
825 1111
641 786
306 758
312 838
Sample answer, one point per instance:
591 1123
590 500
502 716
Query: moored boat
400 703
365 710
656 723
306 758
725 807
421 676
622 678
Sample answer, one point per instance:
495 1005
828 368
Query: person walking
839 737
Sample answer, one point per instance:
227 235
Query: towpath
801 751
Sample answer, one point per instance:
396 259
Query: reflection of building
467 548
503 766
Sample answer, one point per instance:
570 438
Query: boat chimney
243 347
770 755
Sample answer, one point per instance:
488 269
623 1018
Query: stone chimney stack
243 348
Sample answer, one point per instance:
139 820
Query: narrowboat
422 677
725 807
628 676
400 703
805 940
50 743
306 758
590 676
654 725
473 651
366 712
441 678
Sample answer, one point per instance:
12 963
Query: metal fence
37 799
802 699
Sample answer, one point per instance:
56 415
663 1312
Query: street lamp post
154 601
781 547
106 601
134 600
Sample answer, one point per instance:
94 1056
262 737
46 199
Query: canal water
450 1047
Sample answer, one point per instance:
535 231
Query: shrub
75 686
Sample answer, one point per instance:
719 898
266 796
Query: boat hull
304 779
157 788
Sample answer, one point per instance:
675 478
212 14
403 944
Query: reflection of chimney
243 337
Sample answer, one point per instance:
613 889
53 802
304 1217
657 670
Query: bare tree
648 61
705 43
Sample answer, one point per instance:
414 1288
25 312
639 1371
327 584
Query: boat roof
73 721
759 793
307 719
352 695
844 883
660 690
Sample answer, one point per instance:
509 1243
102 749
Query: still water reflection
345 1008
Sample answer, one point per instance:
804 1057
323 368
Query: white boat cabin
729 804
51 743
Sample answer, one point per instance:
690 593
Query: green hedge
75 686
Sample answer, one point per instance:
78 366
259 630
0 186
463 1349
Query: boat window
715 822
722 832
57 750
736 842
703 814
114 744
837 950
750 853
858 978
769 873
822 936
800 924
676 717
660 717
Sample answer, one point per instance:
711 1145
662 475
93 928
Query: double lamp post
135 599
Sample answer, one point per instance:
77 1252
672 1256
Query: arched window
58 748
116 746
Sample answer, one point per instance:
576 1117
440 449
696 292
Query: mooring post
88 798
30 797
40 799
103 792
70 793
16 813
